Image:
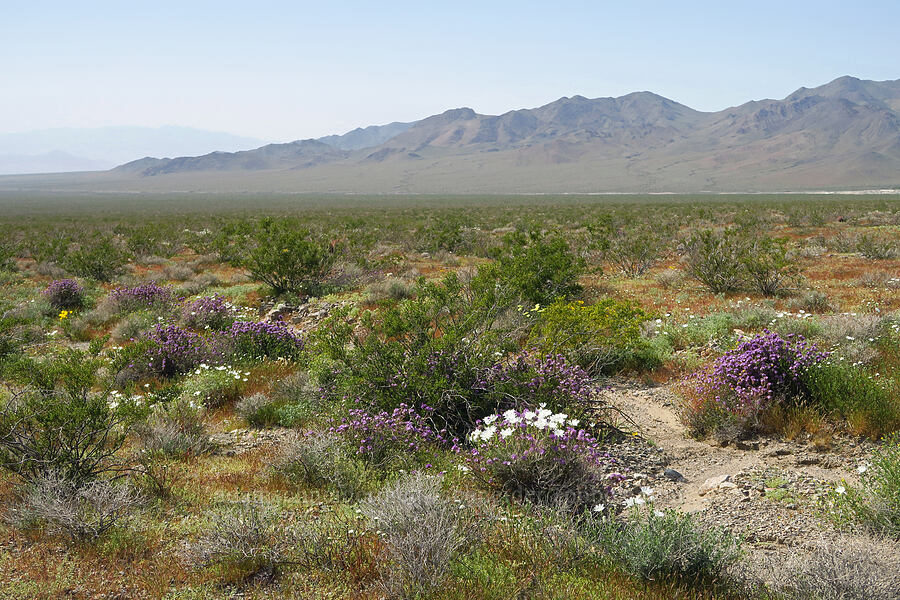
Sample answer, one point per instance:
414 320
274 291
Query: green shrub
769 268
876 503
57 424
601 338
714 258
877 246
7 255
538 268
213 386
664 544
287 259
869 405
99 258
634 249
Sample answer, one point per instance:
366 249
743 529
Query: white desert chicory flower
505 433
599 507
490 419
636 501
841 490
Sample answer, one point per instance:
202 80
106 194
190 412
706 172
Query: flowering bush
541 457
760 373
65 294
172 350
263 340
214 386
146 295
381 437
208 312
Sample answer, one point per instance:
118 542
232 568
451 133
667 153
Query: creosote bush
537 267
287 259
57 424
99 258
603 337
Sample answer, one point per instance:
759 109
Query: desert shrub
868 404
258 410
208 312
213 386
876 503
540 457
846 569
57 424
177 272
7 255
322 459
134 325
431 350
769 268
287 259
812 301
633 249
174 429
253 340
170 350
714 258
65 294
141 297
666 544
243 539
80 511
384 438
877 246
335 540
99 258
538 268
743 383
389 288
295 400
601 338
422 532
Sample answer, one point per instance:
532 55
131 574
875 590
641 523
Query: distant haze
282 71
83 149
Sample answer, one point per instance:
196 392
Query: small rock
673 475
727 485
712 483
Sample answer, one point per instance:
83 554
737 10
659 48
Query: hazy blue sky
290 70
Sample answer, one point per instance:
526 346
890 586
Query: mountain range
842 135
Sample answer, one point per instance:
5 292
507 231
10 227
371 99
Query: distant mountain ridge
841 135
105 147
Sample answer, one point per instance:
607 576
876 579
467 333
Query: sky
281 71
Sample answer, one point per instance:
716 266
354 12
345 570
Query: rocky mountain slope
842 135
